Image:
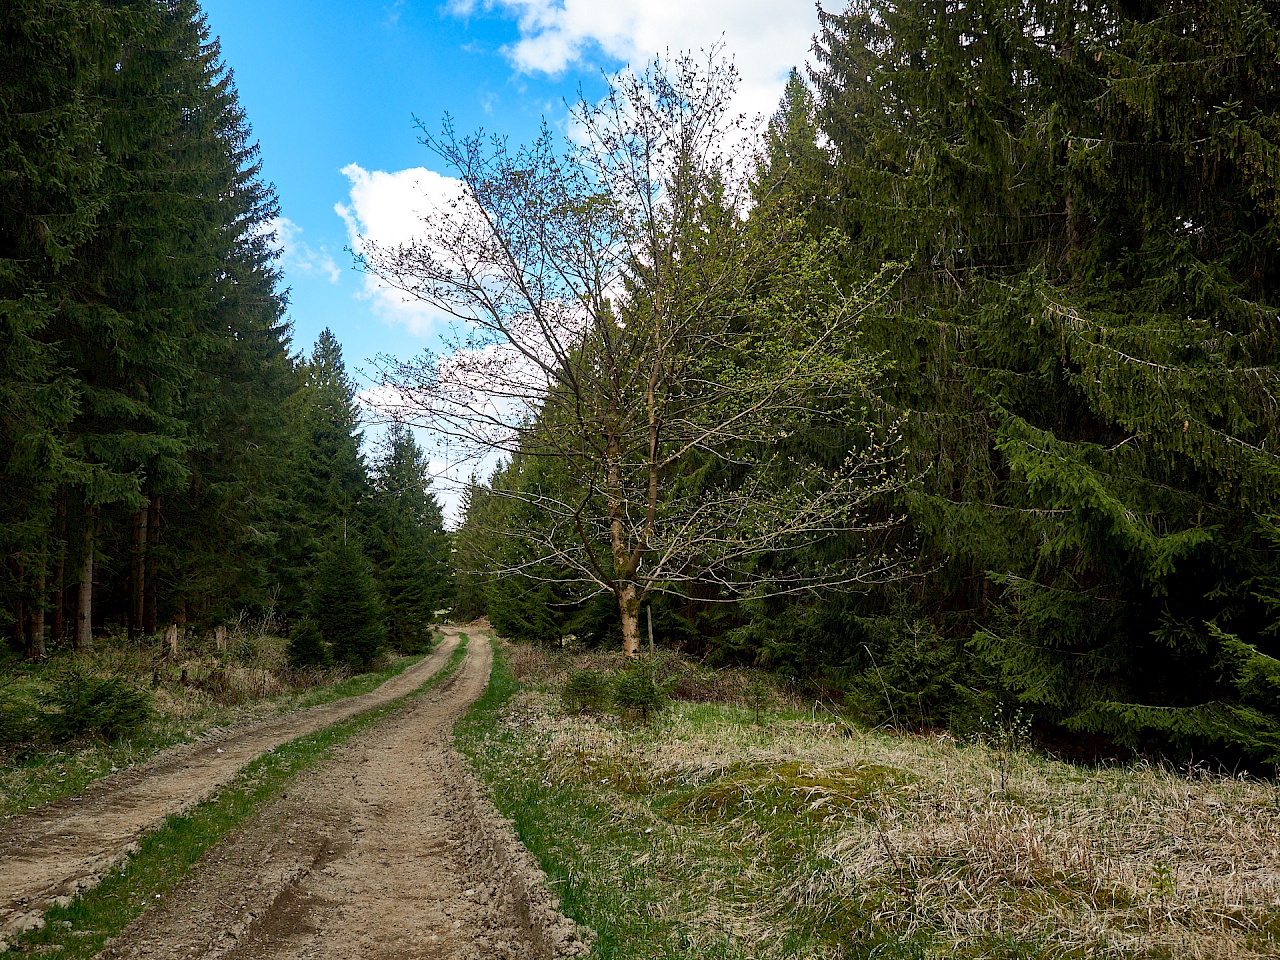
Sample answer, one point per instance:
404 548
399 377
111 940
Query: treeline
1080 210
165 458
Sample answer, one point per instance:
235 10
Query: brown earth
66 846
385 852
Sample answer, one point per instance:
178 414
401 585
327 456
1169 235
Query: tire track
66 846
387 851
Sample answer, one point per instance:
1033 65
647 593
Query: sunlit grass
30 778
707 834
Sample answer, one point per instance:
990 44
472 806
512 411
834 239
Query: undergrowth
752 827
81 929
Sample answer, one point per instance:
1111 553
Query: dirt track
385 852
66 846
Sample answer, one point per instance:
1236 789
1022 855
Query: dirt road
65 846
385 852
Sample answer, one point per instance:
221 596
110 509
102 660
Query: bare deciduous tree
623 317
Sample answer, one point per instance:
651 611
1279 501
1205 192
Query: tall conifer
1085 332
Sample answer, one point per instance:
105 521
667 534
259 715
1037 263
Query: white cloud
766 38
389 209
449 473
296 255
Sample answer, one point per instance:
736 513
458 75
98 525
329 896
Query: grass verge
717 831
81 929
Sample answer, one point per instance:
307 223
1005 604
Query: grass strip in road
81 929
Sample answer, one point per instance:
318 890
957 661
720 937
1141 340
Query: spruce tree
410 548
307 648
326 492
470 550
1084 333
234 406
345 606
52 56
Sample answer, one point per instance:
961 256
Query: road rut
387 852
66 846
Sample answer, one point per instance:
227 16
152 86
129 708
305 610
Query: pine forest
785 519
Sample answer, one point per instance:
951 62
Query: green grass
598 863
34 778
633 872
707 834
164 856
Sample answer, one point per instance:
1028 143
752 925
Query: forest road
385 851
66 846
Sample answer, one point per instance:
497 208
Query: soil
388 850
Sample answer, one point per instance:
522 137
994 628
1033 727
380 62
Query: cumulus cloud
296 255
390 209
765 37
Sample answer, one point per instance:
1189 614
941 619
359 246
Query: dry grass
204 688
805 836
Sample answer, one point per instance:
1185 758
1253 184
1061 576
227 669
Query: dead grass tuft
806 836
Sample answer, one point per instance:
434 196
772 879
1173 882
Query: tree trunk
151 565
137 573
18 631
35 643
84 601
629 608
19 638
59 573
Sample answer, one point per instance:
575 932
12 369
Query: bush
306 646
85 705
635 689
585 691
17 725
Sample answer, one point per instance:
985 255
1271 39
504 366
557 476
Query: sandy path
385 852
66 846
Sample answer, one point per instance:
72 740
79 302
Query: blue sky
329 84
331 90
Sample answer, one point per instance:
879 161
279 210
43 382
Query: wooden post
220 637
171 638
84 599
650 609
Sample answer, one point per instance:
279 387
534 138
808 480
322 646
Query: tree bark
35 643
18 631
137 573
84 601
629 608
151 565
59 573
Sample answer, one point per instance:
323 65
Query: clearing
743 823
